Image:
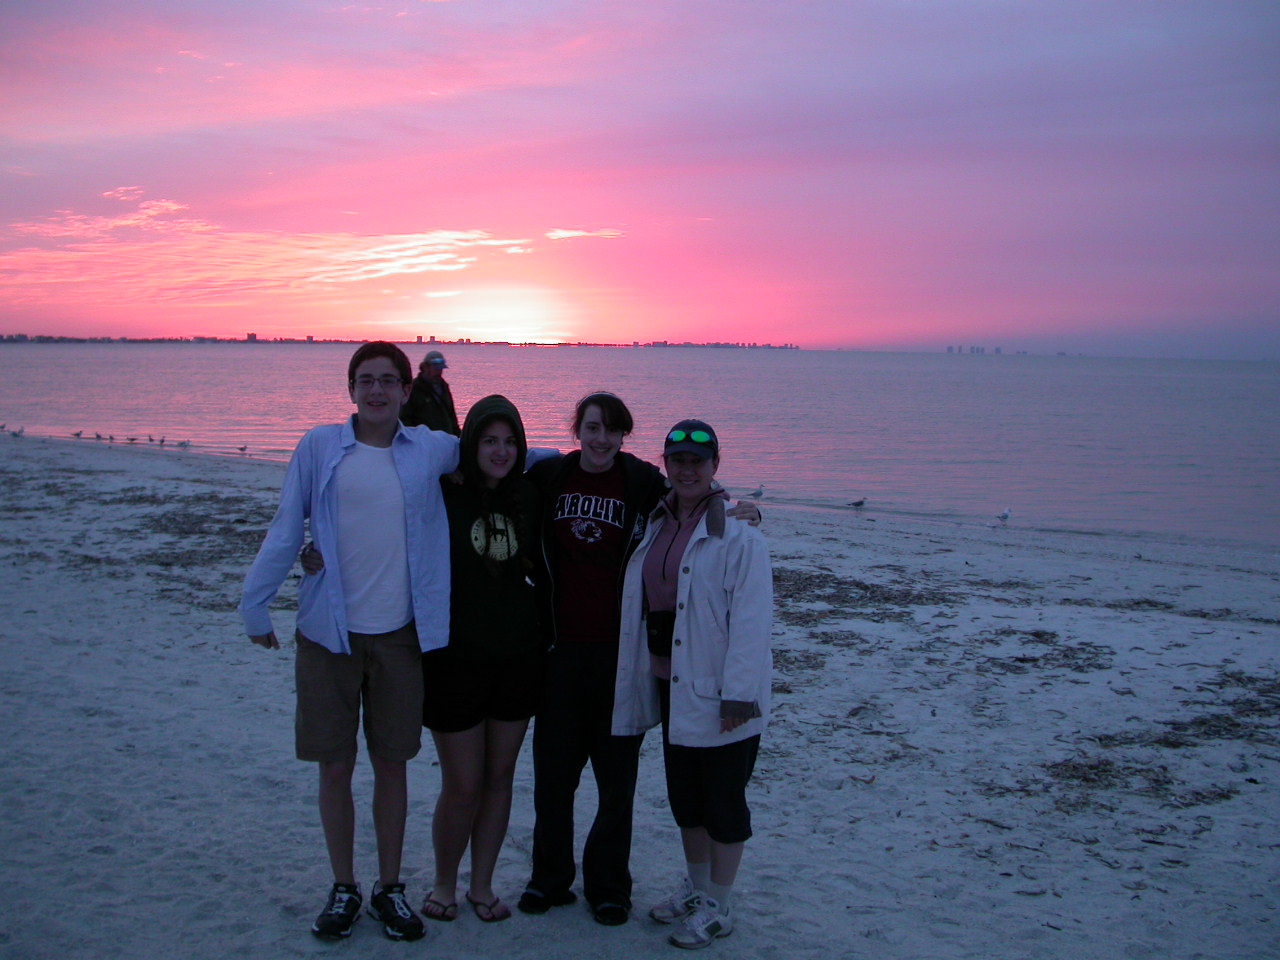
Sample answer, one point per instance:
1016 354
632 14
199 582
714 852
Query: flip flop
490 912
433 909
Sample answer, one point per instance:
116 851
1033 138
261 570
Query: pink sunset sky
1042 175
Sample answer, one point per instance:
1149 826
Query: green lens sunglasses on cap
697 436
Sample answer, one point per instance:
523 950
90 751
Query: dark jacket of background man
430 401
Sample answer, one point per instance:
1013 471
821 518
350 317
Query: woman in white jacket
694 656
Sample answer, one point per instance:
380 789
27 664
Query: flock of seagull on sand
111 438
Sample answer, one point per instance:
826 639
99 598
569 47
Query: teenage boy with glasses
370 490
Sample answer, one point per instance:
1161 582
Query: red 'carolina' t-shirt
589 546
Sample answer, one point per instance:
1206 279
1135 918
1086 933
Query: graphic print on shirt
503 543
586 513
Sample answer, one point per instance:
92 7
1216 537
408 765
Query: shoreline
1266 553
986 742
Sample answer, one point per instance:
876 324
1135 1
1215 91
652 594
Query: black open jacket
645 486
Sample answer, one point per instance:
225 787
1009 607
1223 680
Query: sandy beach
988 742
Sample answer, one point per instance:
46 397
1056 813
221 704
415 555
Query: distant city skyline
432 341
1082 177
425 341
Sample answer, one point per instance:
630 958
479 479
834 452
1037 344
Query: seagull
17 433
98 436
858 504
1004 515
77 434
243 449
162 441
150 438
132 439
184 444
757 493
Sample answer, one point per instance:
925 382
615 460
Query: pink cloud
150 216
155 259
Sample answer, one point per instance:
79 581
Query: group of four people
587 590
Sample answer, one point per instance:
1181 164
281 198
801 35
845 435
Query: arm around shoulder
448 446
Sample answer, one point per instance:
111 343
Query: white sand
988 743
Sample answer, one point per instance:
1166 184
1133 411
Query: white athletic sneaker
704 925
677 906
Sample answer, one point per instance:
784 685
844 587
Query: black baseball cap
692 436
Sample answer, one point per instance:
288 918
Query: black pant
571 728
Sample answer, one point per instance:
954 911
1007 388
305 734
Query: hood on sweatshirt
481 414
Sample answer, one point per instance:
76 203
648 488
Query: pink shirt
662 564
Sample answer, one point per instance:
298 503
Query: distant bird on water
17 433
98 436
1004 515
243 449
77 434
757 493
184 444
858 504
150 438
132 439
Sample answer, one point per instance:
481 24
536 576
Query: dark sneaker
338 915
389 907
610 914
534 901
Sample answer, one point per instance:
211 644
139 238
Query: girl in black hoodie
484 686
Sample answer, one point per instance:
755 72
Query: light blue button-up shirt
421 457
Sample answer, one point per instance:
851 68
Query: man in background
430 401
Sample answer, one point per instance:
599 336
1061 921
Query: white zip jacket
720 646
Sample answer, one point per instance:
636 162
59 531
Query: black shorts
459 694
707 786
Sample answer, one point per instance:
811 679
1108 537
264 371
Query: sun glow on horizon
492 314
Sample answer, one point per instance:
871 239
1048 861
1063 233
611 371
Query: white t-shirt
372 554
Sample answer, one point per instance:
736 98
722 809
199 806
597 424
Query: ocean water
1112 447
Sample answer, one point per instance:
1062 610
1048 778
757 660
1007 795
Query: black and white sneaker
706 923
340 913
679 905
389 907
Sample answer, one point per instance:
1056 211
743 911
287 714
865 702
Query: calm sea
1180 449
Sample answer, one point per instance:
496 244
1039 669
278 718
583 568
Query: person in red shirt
595 503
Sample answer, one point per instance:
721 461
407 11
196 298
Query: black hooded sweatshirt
493 549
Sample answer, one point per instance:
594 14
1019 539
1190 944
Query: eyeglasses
386 382
697 436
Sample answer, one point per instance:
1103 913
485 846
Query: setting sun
516 314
